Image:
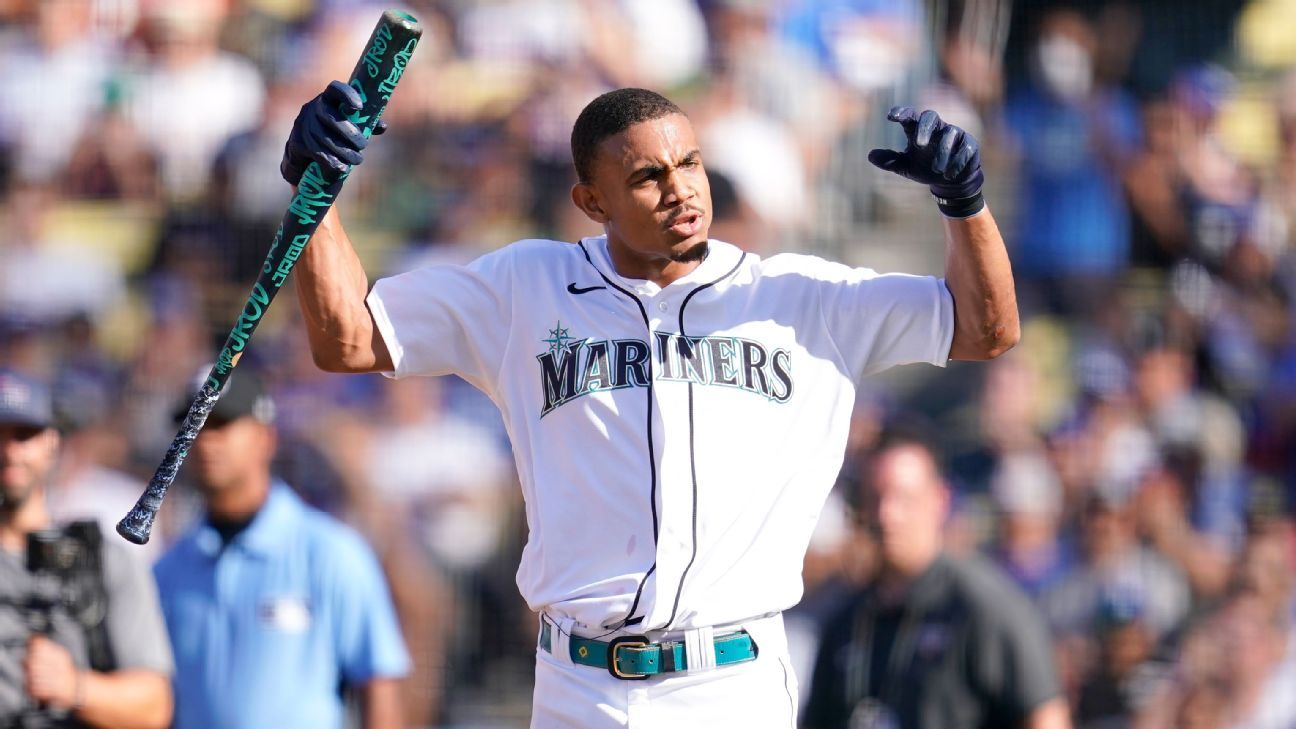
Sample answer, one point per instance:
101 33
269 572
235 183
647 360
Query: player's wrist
958 208
961 198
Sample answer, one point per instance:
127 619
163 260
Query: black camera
67 563
64 551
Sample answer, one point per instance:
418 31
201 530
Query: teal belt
633 657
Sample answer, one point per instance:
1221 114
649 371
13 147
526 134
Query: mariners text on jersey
571 369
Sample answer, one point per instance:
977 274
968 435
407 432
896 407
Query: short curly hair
610 114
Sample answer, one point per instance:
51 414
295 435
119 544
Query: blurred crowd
1132 464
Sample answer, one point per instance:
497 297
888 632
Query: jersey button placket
675 539
655 323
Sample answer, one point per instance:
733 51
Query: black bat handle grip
138 524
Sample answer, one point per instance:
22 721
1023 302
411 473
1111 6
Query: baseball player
678 408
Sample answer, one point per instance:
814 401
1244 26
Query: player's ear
585 197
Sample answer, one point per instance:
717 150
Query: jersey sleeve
136 629
368 636
878 321
446 319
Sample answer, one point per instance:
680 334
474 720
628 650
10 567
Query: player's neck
662 272
659 269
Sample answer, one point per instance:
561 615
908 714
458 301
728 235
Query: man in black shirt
934 641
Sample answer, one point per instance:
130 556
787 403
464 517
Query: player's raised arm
331 282
977 271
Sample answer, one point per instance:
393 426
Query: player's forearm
979 277
331 287
948 160
131 699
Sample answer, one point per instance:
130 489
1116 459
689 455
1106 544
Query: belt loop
699 649
560 636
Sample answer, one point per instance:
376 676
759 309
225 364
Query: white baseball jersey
674 445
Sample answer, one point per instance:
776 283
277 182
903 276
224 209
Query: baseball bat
375 77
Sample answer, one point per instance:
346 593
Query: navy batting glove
323 133
939 155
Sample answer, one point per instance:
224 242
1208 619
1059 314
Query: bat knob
136 526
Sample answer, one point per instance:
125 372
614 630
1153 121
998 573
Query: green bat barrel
375 77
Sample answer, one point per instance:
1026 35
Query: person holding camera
82 641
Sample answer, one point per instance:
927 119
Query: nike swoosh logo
574 289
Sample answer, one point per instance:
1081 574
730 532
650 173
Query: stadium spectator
1115 565
58 81
47 277
1237 666
1073 135
781 79
275 610
81 636
935 640
111 160
1159 232
1126 669
1216 191
1030 545
868 44
775 184
191 95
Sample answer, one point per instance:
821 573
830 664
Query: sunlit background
1139 444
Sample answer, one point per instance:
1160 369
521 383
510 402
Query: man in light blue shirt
274 608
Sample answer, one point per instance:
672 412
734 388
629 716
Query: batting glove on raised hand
939 155
322 132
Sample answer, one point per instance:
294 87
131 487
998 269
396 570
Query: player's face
650 191
27 456
909 504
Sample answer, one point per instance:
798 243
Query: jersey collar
721 258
